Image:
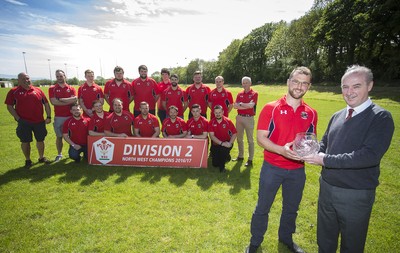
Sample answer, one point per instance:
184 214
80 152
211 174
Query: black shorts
24 131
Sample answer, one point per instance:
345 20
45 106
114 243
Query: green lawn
65 207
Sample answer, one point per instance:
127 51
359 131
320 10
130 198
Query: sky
75 35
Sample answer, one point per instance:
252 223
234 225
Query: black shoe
44 160
249 163
251 249
237 159
222 170
293 247
28 164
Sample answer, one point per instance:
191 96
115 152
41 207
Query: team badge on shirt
304 115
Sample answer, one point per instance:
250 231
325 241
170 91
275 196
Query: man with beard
144 89
223 134
278 124
221 96
96 123
62 96
174 127
174 95
118 88
198 93
89 92
146 124
75 132
120 122
25 103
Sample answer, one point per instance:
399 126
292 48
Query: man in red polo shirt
146 124
198 93
118 88
62 96
89 92
278 124
197 125
144 89
75 132
119 123
223 135
96 123
25 103
174 127
245 103
220 96
174 95
162 86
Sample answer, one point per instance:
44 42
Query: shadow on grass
69 172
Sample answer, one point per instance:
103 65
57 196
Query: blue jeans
271 178
76 154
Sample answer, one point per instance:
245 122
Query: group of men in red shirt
80 113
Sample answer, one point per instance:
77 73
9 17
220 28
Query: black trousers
220 155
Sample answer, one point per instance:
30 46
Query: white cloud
16 2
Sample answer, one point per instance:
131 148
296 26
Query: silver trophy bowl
305 144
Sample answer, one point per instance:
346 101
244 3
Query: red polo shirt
198 96
223 98
174 128
146 126
28 103
96 123
174 97
145 90
88 94
77 129
247 97
120 124
283 123
223 130
197 127
161 88
56 91
123 91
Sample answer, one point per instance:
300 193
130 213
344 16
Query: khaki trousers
245 124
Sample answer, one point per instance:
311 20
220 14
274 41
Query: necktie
350 113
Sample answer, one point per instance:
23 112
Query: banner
147 152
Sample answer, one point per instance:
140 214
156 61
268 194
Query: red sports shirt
223 130
123 91
174 128
283 123
247 97
96 123
146 126
28 103
88 94
77 129
223 98
120 124
146 90
161 88
174 97
56 91
198 96
197 127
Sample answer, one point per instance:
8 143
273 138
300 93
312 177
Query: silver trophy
305 144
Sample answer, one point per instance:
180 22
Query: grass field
64 207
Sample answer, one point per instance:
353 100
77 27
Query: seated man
174 127
197 125
223 134
96 123
75 132
119 123
146 124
